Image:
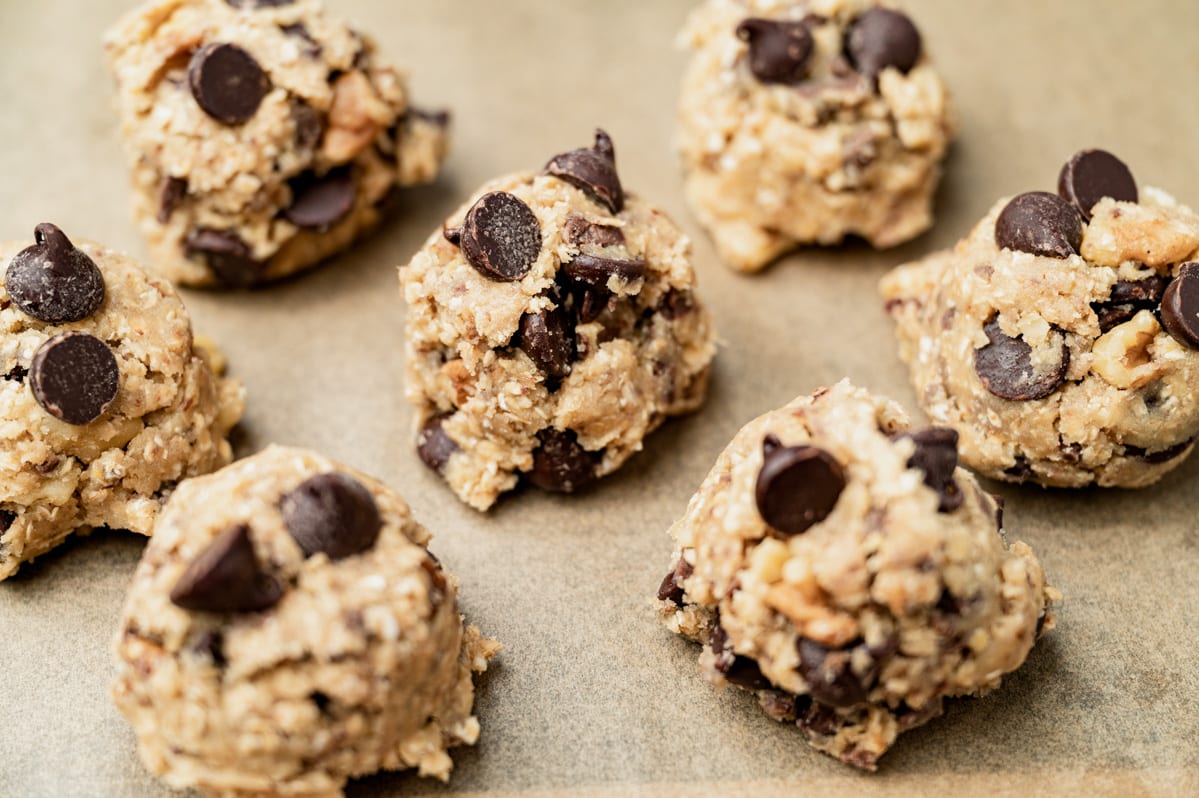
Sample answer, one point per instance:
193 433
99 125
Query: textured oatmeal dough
213 198
857 628
363 664
769 167
1125 410
643 358
169 421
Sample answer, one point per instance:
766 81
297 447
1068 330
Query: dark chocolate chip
778 706
675 304
74 377
211 645
171 192
797 487
579 232
6 519
560 464
1092 175
593 170
819 720
671 588
1180 306
548 338
937 456
778 50
52 281
321 701
309 124
591 304
228 257
317 203
1158 455
434 445
227 82
595 271
1040 223
17 373
882 38
1021 470
226 577
1127 297
312 48
332 513
1005 367
830 676
738 670
501 237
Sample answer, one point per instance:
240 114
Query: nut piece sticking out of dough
263 137
107 400
838 564
552 324
803 123
287 630
1060 338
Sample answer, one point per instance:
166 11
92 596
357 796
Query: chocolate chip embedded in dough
548 338
332 513
74 377
579 231
736 669
53 281
309 126
1180 306
226 577
778 50
434 445
829 675
1090 176
797 487
671 588
882 38
227 82
171 193
1158 455
593 170
596 271
6 519
1005 367
312 48
675 304
501 237
1039 223
560 463
228 257
1127 297
937 456
317 203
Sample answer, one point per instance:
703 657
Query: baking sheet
591 695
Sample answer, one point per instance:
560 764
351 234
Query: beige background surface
592 696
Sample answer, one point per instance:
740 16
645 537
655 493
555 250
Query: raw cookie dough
802 122
106 401
1059 338
551 326
838 564
287 630
263 136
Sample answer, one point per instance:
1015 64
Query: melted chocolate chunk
53 281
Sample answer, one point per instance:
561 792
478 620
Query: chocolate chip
211 645
820 720
830 676
675 304
320 701
738 670
778 706
1092 175
882 38
592 303
797 487
52 281
228 257
671 588
317 203
1180 306
560 464
312 48
592 170
309 124
227 82
434 445
1021 470
579 231
999 502
548 338
1158 455
17 373
1005 367
171 192
331 513
596 271
778 50
937 456
501 237
1039 223
74 377
226 577
6 519
1127 298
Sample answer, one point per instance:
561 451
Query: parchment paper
591 695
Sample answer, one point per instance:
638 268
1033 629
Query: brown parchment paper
591 696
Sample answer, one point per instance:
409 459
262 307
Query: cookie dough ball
1059 338
805 121
263 136
839 565
106 401
552 326
288 630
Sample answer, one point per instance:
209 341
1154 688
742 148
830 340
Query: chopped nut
1121 356
1156 236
